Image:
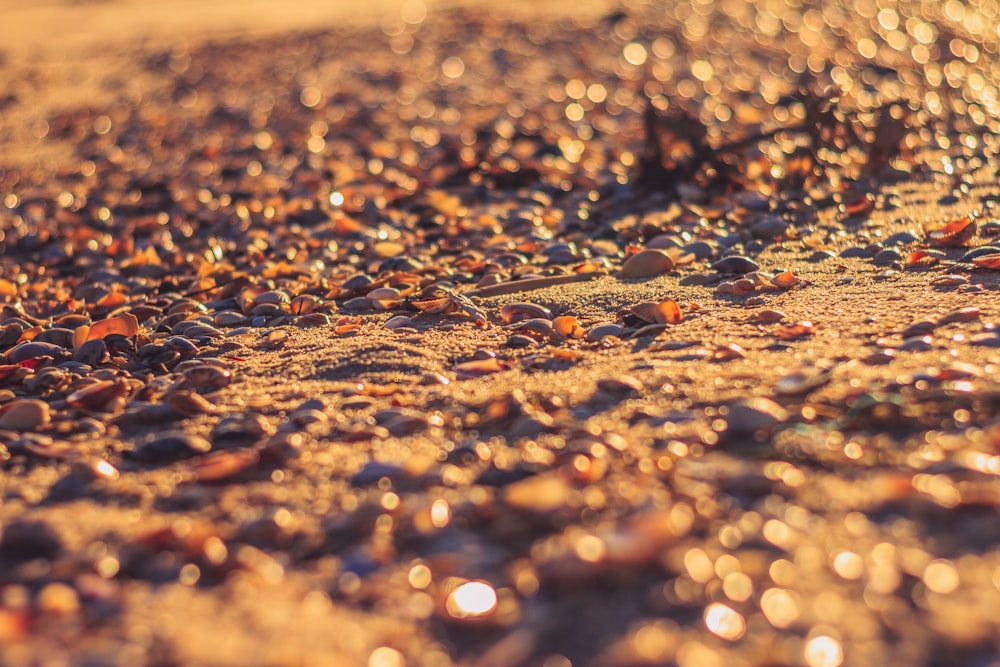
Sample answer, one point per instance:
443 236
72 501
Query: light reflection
824 651
471 599
779 607
724 621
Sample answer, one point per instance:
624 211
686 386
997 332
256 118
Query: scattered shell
916 344
923 258
728 352
189 403
304 304
880 357
31 350
752 415
795 331
101 395
568 327
25 415
979 252
768 316
538 493
646 264
950 280
668 312
92 352
479 367
206 377
398 322
953 234
125 325
735 265
801 382
967 314
274 339
991 262
600 331
221 466
170 446
240 430
920 328
786 280
623 385
517 312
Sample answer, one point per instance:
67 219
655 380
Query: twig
528 284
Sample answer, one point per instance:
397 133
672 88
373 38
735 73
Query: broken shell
126 325
568 327
953 234
646 264
517 312
25 415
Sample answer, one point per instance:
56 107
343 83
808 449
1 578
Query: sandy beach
435 333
